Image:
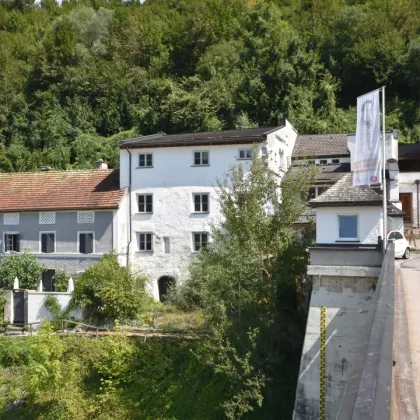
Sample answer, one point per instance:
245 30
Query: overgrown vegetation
76 78
109 291
25 267
246 283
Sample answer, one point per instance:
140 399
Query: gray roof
320 145
344 194
327 174
394 211
241 136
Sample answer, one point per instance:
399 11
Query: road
407 337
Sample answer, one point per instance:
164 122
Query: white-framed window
47 218
145 160
200 240
201 158
201 203
263 151
85 217
11 219
47 242
145 203
348 227
11 242
245 154
86 242
323 161
335 161
145 241
166 245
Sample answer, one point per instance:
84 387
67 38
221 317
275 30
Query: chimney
100 164
45 168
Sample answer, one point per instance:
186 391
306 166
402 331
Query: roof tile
60 190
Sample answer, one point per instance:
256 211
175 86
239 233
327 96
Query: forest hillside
77 77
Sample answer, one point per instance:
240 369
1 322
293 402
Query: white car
402 247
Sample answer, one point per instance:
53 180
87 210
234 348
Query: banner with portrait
366 159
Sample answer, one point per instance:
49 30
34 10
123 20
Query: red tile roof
60 190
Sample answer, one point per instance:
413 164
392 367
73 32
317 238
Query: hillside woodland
78 77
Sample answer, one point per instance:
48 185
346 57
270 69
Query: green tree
246 281
110 291
25 267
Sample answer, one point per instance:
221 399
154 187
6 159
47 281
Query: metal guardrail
368 391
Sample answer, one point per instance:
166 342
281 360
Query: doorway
407 206
164 284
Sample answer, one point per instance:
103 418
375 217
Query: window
312 193
245 153
145 241
86 243
85 216
145 202
201 203
200 240
335 161
166 245
47 242
11 219
263 151
347 227
323 161
321 190
395 235
11 242
201 158
48 280
146 160
47 218
282 161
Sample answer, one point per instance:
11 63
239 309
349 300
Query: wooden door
407 206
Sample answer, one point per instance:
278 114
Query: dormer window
323 162
335 161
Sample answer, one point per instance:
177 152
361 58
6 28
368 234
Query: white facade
369 224
172 180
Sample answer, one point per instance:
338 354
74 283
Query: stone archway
164 284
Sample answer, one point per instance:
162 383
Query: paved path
407 336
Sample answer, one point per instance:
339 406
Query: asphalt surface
408 291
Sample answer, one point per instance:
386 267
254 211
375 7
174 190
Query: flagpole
385 212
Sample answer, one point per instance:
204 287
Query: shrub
109 291
23 266
61 281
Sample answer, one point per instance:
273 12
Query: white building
172 198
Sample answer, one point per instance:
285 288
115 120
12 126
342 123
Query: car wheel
407 254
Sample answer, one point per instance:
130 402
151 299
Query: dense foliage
246 282
25 267
108 291
66 378
76 78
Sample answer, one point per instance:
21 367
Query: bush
61 281
109 291
23 266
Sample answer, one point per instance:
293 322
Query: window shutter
44 245
89 243
17 243
82 243
50 242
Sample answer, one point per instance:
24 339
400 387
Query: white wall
172 181
120 221
369 223
36 311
